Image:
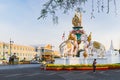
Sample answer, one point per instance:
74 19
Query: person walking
94 65
10 60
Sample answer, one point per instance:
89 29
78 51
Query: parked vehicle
34 62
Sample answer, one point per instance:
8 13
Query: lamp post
10 46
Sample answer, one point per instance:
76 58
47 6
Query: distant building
46 52
6 50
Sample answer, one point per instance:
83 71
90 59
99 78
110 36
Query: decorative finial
77 19
89 37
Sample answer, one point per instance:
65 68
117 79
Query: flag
63 36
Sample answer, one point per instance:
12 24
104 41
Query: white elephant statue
93 48
69 47
96 49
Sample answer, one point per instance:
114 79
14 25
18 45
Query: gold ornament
76 21
72 37
89 37
69 45
48 46
96 44
85 54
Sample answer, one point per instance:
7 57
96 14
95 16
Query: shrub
110 66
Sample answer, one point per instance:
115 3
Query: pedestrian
10 60
43 65
94 65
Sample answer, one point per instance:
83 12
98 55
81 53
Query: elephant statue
96 49
69 47
93 48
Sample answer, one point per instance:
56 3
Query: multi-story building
46 52
21 51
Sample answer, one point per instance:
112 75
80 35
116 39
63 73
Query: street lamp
10 46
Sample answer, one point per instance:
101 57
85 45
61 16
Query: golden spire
77 19
48 46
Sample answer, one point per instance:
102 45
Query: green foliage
82 66
113 66
53 7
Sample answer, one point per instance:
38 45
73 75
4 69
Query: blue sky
18 21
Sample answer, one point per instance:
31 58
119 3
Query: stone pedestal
68 61
112 56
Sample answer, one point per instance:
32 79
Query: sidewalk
18 66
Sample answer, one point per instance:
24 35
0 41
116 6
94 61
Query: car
34 62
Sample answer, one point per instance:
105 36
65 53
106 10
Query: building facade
21 51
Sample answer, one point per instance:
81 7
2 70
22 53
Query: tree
52 6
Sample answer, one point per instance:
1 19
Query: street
34 73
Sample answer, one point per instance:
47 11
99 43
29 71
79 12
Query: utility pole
10 46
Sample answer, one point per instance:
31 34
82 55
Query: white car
34 62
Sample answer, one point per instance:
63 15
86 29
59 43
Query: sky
18 21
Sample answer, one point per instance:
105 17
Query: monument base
67 61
